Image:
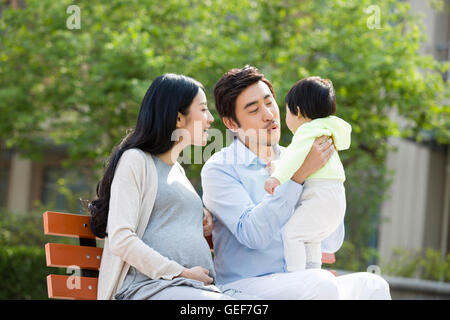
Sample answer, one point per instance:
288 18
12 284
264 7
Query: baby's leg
300 255
313 253
321 210
294 253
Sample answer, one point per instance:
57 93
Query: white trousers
321 211
315 284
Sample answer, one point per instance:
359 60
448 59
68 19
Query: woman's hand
197 273
321 151
207 223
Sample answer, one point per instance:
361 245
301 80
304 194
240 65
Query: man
247 221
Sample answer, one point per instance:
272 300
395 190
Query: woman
148 211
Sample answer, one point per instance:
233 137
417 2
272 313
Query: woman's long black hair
167 95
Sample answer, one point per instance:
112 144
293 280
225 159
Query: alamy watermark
373 21
74 280
74 20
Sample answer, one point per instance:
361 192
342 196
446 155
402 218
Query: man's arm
321 151
292 158
253 224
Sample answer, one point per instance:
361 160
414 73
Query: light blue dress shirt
247 220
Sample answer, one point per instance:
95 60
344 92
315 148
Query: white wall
403 212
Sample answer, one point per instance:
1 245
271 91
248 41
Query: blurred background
72 80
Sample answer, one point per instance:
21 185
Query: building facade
416 214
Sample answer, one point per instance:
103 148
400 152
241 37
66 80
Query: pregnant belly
185 248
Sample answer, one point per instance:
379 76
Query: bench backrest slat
87 257
66 255
67 225
71 287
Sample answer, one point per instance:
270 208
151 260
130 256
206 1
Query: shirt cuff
290 191
173 271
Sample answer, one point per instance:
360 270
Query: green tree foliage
82 88
428 264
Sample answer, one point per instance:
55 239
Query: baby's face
294 121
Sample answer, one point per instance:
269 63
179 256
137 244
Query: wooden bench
84 258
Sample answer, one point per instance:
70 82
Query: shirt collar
247 157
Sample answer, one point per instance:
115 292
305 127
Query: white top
133 192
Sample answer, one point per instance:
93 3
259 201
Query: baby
310 109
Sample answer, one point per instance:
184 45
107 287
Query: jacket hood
340 131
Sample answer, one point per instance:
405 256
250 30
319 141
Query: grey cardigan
133 193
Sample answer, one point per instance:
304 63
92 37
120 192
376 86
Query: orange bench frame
85 257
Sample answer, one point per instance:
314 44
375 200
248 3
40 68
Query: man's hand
321 151
207 223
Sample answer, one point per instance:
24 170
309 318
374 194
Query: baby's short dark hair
314 97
